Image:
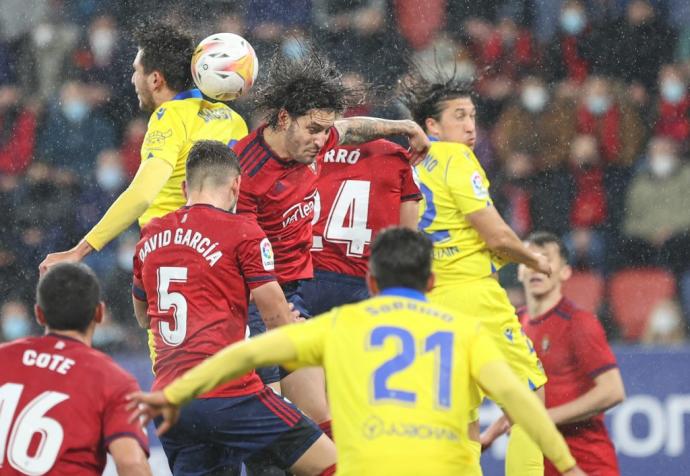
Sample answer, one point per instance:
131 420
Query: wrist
83 249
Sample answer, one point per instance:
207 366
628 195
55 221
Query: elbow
133 464
499 241
617 397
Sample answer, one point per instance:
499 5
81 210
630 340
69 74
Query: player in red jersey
584 380
355 202
193 271
281 163
62 403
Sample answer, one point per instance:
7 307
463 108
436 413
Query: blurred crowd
583 116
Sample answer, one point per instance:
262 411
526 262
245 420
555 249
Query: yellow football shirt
399 372
454 185
172 130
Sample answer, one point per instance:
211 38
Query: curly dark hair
167 49
424 97
298 85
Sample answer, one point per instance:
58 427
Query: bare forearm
357 130
140 308
592 403
507 245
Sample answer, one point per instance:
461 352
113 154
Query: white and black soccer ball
224 66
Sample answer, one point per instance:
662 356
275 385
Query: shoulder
156 224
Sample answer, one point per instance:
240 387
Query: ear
372 284
431 126
283 119
184 190
99 313
430 282
156 80
565 273
40 316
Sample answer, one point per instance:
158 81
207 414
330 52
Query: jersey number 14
347 220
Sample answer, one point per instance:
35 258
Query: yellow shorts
487 301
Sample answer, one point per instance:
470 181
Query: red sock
326 428
330 471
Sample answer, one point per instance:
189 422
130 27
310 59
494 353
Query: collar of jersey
190 93
433 139
404 292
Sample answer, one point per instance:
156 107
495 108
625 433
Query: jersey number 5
441 342
172 300
16 440
347 220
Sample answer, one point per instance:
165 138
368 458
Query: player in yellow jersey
471 240
180 116
399 371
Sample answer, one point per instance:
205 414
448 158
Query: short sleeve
165 136
255 257
116 416
467 182
309 339
482 350
409 189
590 345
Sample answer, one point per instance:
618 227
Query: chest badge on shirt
545 344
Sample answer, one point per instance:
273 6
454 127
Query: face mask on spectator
102 42
75 110
15 326
662 165
672 90
534 98
124 259
110 177
598 104
572 21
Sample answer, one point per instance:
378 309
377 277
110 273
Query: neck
164 95
85 338
276 141
538 305
209 198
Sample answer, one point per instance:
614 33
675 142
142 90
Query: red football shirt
360 191
194 267
572 347
281 195
61 404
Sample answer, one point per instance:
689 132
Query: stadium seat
585 289
633 295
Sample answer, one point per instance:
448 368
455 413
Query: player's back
398 374
172 130
61 404
454 185
188 265
361 189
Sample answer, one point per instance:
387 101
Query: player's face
141 86
307 134
457 122
539 285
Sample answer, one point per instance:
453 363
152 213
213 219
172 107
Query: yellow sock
523 456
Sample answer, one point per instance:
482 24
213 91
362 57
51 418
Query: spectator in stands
74 133
642 42
15 320
18 119
268 28
666 325
576 50
656 227
673 108
534 122
513 192
130 149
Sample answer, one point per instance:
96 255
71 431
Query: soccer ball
224 66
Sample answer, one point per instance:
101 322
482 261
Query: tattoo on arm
357 130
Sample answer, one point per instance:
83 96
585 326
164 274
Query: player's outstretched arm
273 347
129 206
129 457
524 408
409 214
503 241
608 391
357 130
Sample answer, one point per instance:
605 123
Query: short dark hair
543 238
310 81
211 159
69 294
401 257
424 97
167 49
